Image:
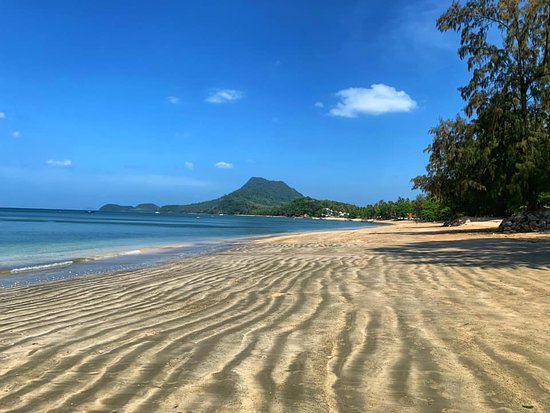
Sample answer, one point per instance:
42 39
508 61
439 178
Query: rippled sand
405 318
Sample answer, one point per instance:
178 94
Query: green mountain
257 196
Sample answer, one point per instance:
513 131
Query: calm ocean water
42 245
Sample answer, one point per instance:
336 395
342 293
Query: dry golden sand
404 318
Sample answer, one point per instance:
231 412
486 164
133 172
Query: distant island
260 196
256 197
129 208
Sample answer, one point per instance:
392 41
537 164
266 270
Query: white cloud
2 115
16 134
189 165
376 100
224 96
174 100
319 105
223 165
64 163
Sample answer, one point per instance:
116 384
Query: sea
41 245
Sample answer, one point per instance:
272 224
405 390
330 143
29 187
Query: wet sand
401 318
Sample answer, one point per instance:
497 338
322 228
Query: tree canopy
422 207
496 158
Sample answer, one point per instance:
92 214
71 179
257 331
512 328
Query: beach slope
400 318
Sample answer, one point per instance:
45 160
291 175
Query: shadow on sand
444 231
481 252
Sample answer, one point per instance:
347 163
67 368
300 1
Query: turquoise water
41 245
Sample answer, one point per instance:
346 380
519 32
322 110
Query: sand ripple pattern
291 326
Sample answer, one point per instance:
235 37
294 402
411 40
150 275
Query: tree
498 158
403 207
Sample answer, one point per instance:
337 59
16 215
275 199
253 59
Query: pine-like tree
497 159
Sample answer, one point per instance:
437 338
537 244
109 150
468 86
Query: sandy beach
401 318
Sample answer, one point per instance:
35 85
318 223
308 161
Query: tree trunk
531 196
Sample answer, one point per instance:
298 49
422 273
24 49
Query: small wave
132 252
110 255
41 267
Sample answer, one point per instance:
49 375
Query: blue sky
176 102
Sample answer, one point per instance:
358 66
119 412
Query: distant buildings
327 212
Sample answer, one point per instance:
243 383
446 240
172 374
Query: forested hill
254 197
257 196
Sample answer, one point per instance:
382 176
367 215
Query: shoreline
70 261
397 318
110 262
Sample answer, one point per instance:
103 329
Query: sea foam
41 267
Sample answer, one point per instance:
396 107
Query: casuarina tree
496 158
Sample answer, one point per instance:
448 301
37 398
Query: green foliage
498 159
263 192
315 208
544 199
429 209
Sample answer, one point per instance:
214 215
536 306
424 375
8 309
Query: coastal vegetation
260 196
424 208
495 159
314 208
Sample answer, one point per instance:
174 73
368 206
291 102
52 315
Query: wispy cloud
62 180
319 105
224 96
189 165
2 115
152 181
63 163
414 27
183 135
223 165
174 100
376 100
16 134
